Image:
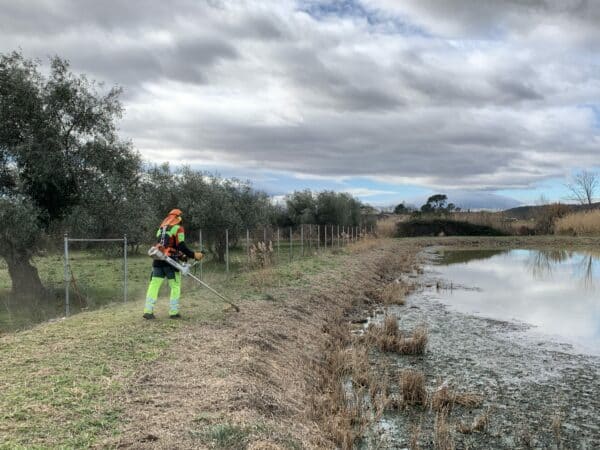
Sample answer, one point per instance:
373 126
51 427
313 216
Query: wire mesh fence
87 273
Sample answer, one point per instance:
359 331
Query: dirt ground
246 382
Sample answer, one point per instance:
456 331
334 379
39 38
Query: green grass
99 281
58 379
225 435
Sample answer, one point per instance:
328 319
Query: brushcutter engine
157 253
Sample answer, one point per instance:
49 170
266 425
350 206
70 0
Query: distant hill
528 212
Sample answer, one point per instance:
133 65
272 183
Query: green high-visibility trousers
158 276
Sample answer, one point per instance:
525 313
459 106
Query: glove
198 256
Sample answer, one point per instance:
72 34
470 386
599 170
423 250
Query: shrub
444 227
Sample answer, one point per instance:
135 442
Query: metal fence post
332 236
247 246
291 242
301 240
66 274
277 245
227 251
201 248
125 268
318 238
338 236
325 238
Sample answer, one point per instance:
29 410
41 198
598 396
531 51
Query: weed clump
390 326
261 254
393 294
445 399
414 437
341 405
416 344
388 338
442 435
479 424
412 387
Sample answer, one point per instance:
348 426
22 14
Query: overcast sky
387 99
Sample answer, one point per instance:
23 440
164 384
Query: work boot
148 316
175 316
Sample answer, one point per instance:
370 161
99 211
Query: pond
555 292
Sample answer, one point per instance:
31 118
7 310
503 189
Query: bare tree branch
583 187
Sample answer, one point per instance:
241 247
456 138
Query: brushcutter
157 253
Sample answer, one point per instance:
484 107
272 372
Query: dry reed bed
585 223
387 227
347 395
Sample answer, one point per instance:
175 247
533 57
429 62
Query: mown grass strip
60 381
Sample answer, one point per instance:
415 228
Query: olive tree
58 150
209 203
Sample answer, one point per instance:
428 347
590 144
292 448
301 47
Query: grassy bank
61 381
98 280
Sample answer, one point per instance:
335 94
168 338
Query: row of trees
63 168
324 208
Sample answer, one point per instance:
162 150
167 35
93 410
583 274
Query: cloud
451 95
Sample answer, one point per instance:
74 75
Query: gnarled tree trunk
25 278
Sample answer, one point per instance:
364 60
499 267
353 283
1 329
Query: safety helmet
173 218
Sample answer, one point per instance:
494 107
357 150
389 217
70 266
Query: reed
584 223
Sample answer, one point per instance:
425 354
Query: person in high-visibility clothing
171 237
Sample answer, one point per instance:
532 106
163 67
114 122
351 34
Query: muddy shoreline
538 393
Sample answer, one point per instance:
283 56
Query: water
556 292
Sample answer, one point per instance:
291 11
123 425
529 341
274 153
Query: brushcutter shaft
225 299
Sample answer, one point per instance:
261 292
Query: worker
171 238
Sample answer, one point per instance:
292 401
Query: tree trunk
25 279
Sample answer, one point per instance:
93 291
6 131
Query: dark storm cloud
467 94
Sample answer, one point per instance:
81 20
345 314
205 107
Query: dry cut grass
585 223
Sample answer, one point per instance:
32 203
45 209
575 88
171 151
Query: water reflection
553 290
542 264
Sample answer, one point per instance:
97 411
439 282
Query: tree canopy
58 150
